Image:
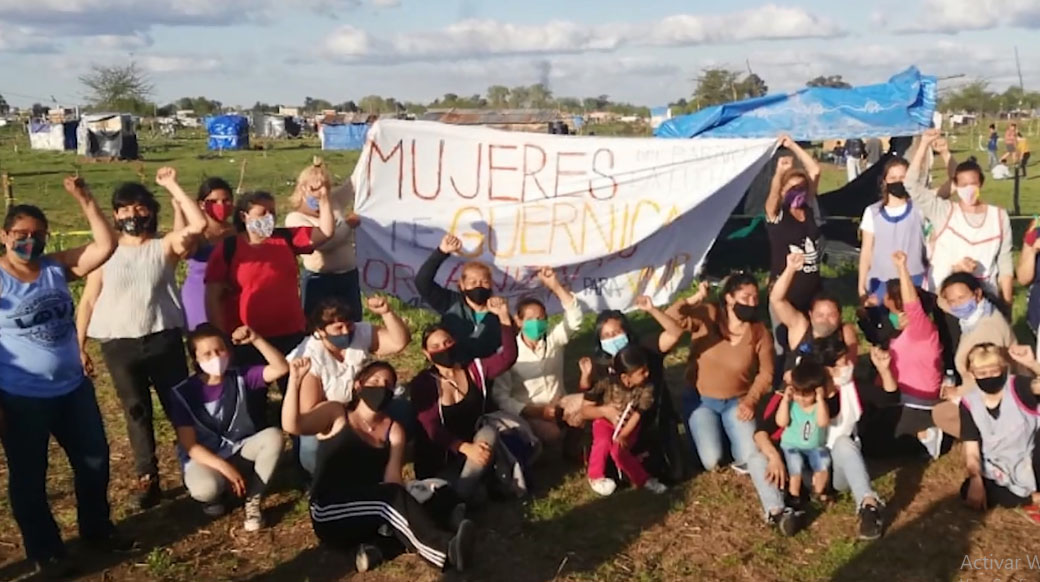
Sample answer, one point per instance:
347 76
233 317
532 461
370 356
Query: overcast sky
646 52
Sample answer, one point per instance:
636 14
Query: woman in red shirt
252 279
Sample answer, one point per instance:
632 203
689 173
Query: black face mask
445 359
898 190
375 397
992 385
745 313
137 225
478 295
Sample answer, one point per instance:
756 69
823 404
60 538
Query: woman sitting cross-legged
220 447
449 398
357 494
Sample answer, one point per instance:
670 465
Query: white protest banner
616 217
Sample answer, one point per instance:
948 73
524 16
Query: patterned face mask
263 226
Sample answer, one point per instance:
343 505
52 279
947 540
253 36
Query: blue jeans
769 495
707 418
801 460
316 287
850 471
75 422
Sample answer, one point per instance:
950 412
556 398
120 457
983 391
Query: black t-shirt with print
788 235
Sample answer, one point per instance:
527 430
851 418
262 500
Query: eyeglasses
18 234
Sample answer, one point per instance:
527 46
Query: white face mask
215 366
968 194
843 376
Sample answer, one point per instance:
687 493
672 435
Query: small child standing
804 417
615 406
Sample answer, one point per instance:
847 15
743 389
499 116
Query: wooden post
5 180
241 176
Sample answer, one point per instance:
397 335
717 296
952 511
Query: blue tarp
902 106
228 132
349 136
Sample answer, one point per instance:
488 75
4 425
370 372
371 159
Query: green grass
707 529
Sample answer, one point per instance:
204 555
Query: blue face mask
312 203
341 342
964 310
614 345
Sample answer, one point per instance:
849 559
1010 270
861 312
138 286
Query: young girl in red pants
615 406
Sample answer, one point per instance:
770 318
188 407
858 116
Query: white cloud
482 38
386 3
19 39
173 64
953 16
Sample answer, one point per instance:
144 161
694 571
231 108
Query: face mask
137 225
341 341
745 313
445 358
29 249
535 329
215 366
374 397
893 318
263 227
478 295
965 310
898 190
843 376
615 344
312 203
992 385
795 198
968 194
219 211
823 329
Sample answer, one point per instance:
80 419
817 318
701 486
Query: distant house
284 111
601 116
530 120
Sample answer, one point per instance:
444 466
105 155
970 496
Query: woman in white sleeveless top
969 235
132 306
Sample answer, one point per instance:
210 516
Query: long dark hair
600 358
731 285
363 374
628 360
25 211
893 162
209 185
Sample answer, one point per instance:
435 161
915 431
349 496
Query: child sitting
804 417
219 446
615 405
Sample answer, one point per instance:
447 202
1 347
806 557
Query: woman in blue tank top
44 390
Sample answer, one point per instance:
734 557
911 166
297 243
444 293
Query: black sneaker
788 522
57 568
460 548
871 525
112 544
368 557
147 495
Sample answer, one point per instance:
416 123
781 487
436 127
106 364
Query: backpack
231 244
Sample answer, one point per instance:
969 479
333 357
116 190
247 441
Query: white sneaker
604 487
740 468
933 442
655 486
254 517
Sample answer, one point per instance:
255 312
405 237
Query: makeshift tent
228 132
343 136
109 135
902 106
275 126
52 136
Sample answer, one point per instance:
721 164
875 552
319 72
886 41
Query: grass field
707 529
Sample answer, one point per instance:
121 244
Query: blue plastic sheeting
578 122
228 132
349 136
903 106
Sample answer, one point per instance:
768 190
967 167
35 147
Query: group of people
1016 148
935 279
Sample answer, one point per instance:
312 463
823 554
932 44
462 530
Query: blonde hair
986 354
317 170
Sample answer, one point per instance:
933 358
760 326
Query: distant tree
975 97
313 105
39 110
168 110
498 96
752 86
118 88
4 107
541 96
348 106
831 81
520 97
716 86
569 104
372 104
